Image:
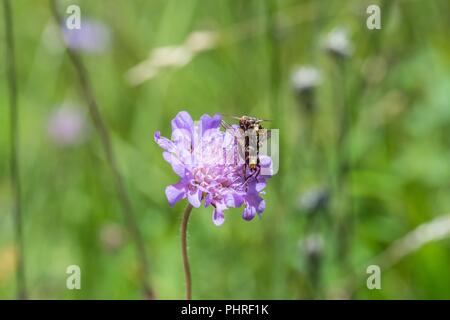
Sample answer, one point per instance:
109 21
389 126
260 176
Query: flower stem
14 160
106 143
183 232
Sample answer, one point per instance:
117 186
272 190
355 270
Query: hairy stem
14 160
105 140
183 233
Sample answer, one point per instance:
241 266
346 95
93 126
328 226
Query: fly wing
264 135
264 145
240 140
226 125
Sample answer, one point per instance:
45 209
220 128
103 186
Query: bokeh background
364 120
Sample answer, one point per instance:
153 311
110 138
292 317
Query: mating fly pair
249 137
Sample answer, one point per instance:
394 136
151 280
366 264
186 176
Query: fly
249 136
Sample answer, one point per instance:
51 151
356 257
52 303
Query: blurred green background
364 151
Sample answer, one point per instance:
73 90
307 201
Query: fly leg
245 170
255 173
258 171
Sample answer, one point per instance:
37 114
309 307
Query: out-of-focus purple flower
66 126
204 157
92 37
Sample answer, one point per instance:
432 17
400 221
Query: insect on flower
249 136
204 157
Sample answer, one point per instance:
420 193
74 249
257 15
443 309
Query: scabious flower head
210 170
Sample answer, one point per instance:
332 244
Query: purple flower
206 160
66 126
92 37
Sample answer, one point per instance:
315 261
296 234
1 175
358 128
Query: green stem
14 136
106 143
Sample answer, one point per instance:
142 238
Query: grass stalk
14 152
105 140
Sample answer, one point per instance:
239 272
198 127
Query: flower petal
208 123
266 165
249 213
208 199
254 203
176 192
234 200
183 139
228 139
195 198
177 166
265 161
182 133
261 207
183 121
164 143
260 185
218 216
